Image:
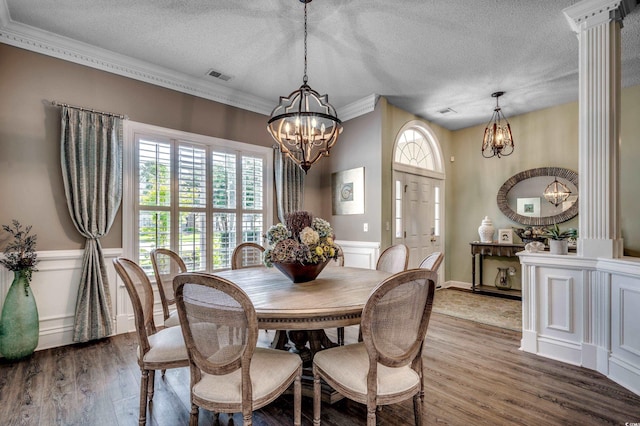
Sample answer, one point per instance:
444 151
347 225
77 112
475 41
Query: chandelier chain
305 78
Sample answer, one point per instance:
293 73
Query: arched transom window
414 150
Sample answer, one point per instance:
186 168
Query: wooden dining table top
334 299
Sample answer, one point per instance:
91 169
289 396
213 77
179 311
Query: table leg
300 339
473 272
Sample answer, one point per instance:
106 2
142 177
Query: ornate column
598 24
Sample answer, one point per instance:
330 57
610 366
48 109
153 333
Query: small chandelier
498 139
556 192
304 124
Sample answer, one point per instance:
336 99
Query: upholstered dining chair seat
351 364
165 346
269 369
173 320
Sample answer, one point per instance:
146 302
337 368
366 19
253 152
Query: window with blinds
198 200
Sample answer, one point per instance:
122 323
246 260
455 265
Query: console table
480 250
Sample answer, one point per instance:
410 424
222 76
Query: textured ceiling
423 55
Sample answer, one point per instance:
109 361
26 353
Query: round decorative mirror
531 197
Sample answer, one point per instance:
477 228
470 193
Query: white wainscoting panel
55 288
360 254
584 311
624 364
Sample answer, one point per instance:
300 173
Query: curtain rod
122 116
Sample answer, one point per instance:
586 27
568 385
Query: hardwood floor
474 373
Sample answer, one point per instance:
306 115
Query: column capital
589 13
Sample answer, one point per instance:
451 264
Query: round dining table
334 299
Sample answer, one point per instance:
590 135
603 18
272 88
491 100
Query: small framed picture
505 236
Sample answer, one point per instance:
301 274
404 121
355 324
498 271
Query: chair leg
418 402
152 382
144 386
317 394
340 336
297 399
371 415
193 415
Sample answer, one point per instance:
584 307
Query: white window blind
198 199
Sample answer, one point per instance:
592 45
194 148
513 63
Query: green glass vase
19 323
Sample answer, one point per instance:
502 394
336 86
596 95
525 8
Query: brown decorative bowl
301 273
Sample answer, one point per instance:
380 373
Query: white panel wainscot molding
560 320
584 311
553 301
624 362
360 254
55 288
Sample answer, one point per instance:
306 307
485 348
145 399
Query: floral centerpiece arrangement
302 247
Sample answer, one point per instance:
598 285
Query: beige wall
30 175
630 170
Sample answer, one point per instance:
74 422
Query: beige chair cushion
173 319
349 365
166 345
269 369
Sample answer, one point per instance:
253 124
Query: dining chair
340 262
166 265
157 349
386 367
229 374
433 261
247 255
393 259
340 259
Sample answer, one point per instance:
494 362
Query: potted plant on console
19 323
558 243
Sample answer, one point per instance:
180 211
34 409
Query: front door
417 212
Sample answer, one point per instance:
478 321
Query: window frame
130 202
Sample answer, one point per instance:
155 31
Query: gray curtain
289 184
91 157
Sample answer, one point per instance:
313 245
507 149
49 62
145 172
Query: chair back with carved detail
432 262
394 259
166 265
247 255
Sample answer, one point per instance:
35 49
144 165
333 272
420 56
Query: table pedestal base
317 340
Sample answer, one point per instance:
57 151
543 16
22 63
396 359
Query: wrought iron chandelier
498 140
305 124
556 192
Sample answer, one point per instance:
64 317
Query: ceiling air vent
446 111
216 74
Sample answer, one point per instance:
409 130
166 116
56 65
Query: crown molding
46 43
358 108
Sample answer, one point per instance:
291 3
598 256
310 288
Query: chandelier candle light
498 140
305 125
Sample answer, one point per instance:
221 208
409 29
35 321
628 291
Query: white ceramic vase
486 230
